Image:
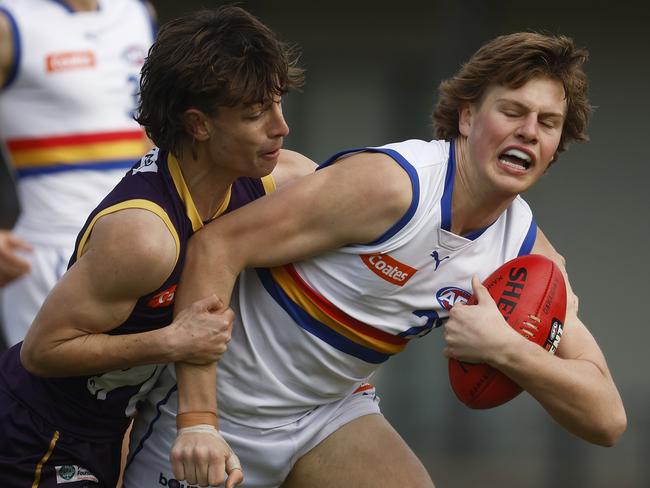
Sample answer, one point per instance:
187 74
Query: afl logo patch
450 295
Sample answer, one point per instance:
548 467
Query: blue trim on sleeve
415 187
337 156
315 327
445 201
106 166
529 240
18 49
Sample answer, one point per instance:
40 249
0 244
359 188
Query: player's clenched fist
202 457
200 333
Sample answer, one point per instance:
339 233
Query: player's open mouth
516 159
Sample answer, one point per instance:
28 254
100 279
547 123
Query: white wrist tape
232 462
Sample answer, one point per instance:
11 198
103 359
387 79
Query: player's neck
83 5
208 186
474 205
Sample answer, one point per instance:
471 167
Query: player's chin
266 162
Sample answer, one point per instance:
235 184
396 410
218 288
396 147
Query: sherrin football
531 295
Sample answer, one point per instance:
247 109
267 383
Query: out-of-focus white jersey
66 110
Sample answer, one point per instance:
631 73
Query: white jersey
309 333
66 110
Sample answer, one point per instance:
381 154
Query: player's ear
196 124
465 116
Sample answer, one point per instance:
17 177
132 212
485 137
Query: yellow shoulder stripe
135 203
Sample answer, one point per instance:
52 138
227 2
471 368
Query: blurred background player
69 74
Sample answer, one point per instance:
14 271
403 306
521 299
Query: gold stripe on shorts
39 466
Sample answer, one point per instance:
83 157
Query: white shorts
23 297
267 455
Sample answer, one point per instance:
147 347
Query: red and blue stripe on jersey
317 315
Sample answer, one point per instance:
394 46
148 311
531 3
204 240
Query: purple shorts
34 453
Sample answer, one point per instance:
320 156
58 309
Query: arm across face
353 201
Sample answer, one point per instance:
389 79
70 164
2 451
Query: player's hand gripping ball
531 295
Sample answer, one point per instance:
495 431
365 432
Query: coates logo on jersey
163 299
388 268
451 295
68 61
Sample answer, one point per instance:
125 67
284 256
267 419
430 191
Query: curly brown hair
512 60
207 59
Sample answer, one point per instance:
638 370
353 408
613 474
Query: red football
531 294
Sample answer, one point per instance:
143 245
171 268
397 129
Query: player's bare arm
575 386
291 166
129 254
353 201
6 48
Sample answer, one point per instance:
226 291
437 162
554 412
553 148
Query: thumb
234 471
480 292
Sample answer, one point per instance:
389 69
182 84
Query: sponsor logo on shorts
163 299
388 268
173 483
451 295
70 473
68 61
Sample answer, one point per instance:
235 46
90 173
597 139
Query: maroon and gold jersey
100 406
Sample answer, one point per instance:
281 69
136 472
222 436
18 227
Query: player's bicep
291 166
128 254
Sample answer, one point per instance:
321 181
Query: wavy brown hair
207 59
512 60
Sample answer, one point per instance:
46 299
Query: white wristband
232 462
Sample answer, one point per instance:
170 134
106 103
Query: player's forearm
96 353
575 392
209 269
196 387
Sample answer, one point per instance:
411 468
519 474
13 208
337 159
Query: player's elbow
29 357
611 428
35 359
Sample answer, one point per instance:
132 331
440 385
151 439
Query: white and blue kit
309 335
66 121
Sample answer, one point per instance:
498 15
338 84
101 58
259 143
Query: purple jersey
99 406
